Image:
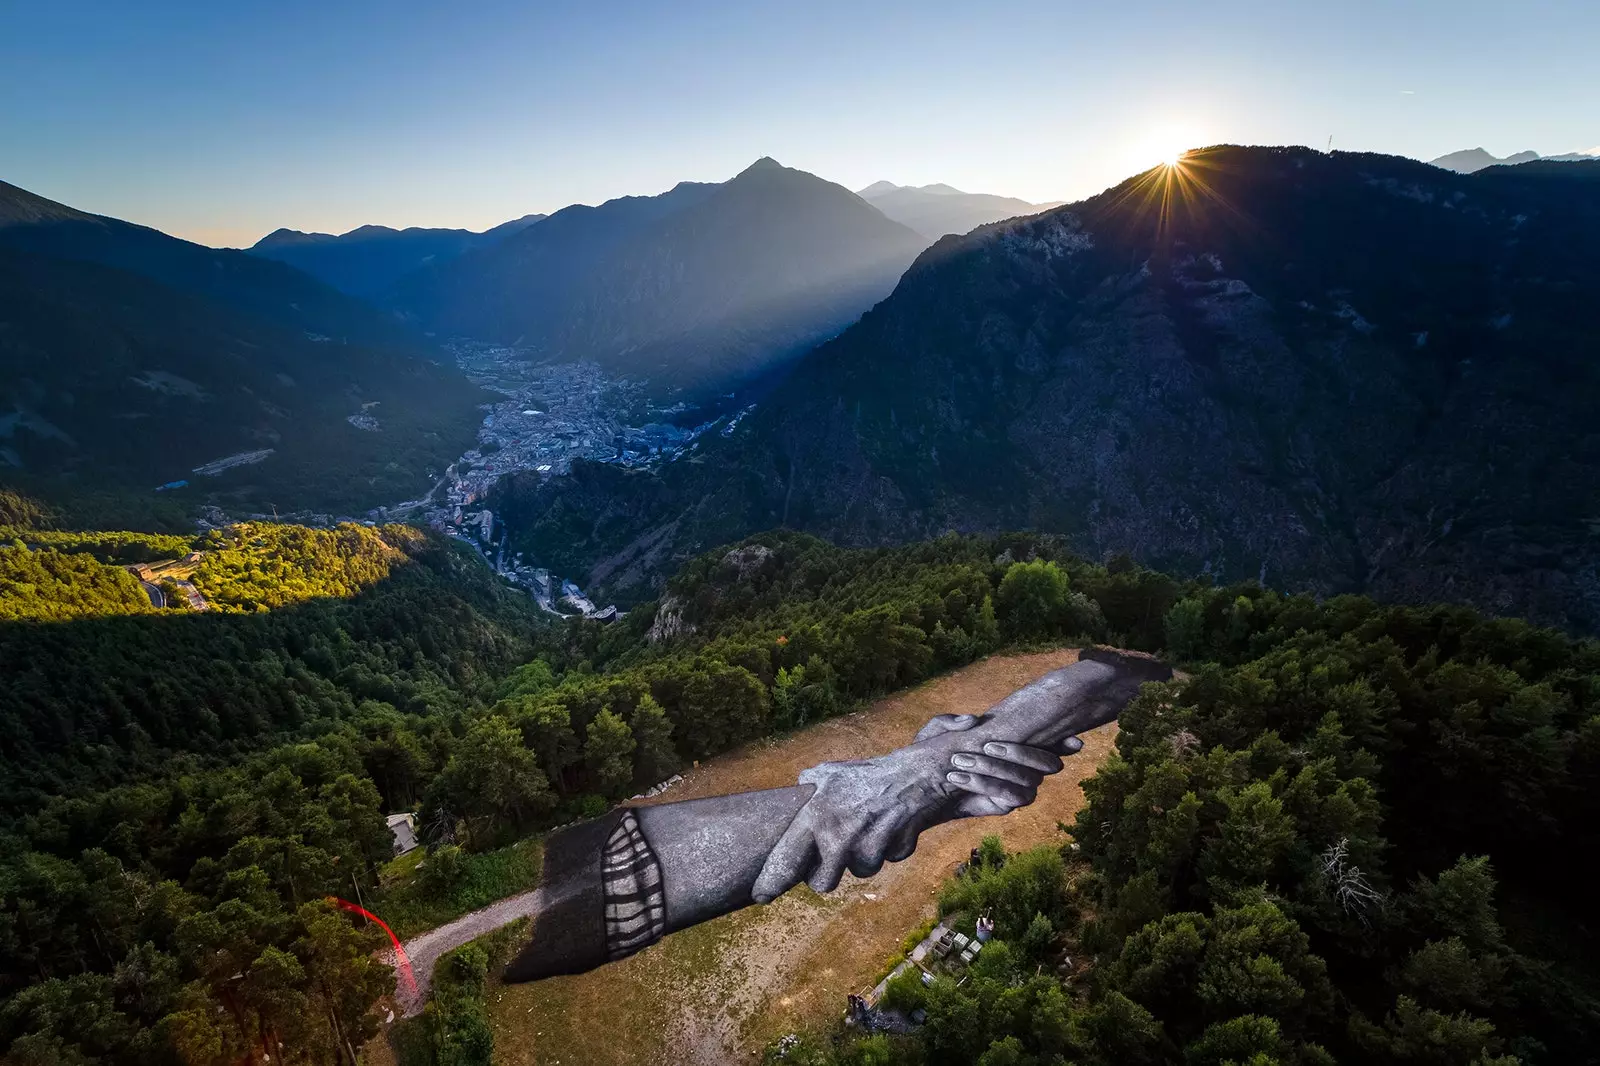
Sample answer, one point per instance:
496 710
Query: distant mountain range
935 210
704 285
1334 372
1472 160
128 358
368 260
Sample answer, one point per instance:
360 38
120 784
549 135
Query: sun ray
1172 198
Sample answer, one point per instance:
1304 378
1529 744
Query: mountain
1472 160
935 210
1335 372
368 260
128 358
706 285
274 291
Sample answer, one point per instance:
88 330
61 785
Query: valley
555 414
481 488
485 487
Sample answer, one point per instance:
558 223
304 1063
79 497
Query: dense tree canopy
1344 835
1348 836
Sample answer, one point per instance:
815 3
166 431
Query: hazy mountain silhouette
1338 372
1472 160
368 260
273 290
128 357
936 210
704 284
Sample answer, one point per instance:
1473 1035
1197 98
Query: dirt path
718 992
425 949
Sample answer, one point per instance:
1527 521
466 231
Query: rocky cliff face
1330 372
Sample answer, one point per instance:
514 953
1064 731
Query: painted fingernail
957 778
994 749
963 760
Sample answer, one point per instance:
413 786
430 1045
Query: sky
221 121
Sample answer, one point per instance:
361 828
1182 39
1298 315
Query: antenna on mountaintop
1330 144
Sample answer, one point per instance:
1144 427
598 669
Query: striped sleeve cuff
635 909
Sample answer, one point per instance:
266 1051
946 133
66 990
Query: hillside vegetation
1348 837
181 791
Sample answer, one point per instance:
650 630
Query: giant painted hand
619 883
868 811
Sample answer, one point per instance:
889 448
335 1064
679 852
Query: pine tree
654 758
608 752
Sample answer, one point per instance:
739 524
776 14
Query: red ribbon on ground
399 952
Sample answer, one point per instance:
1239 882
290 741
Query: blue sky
220 121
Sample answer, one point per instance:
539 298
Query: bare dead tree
440 827
1346 883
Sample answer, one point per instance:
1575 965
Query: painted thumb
946 723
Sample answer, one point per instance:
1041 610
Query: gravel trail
424 949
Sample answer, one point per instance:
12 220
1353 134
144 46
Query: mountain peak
1471 160
766 162
284 236
370 230
877 188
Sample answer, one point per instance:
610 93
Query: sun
1170 146
1166 145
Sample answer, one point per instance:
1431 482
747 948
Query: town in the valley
553 414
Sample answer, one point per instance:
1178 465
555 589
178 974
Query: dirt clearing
718 992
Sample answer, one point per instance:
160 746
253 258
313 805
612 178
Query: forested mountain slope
1338 372
129 358
703 285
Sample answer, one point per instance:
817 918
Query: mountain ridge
262 287
705 284
1305 373
367 260
128 358
1472 160
939 209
